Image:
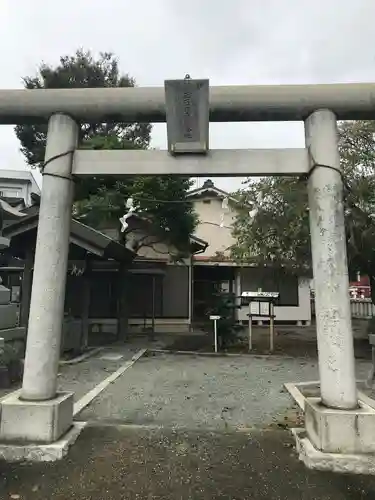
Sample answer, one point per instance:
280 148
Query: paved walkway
117 464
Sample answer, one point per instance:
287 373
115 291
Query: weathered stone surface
187 107
340 431
42 452
334 462
35 421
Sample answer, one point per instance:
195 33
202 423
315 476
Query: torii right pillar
339 429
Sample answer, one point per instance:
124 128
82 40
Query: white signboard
254 308
264 308
255 295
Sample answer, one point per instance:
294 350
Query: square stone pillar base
340 431
35 421
337 440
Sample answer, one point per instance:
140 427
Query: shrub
224 305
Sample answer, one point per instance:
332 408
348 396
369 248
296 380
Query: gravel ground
294 341
84 376
198 392
113 464
210 434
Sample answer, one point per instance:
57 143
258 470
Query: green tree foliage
278 233
102 200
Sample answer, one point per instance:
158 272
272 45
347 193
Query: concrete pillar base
334 440
337 440
45 422
42 452
333 462
340 431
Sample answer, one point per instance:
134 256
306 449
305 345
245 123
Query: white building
214 266
17 186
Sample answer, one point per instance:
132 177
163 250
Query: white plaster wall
219 239
172 326
18 183
287 313
303 311
15 189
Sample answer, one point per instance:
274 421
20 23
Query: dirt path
116 463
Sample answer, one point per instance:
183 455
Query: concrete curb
332 462
42 452
295 391
91 395
222 354
82 357
313 458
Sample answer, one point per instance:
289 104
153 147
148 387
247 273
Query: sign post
215 320
261 304
187 115
250 333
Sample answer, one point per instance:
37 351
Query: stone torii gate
339 423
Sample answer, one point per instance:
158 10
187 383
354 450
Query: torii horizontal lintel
349 101
218 162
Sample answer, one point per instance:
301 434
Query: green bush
10 353
224 305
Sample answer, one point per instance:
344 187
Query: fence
360 308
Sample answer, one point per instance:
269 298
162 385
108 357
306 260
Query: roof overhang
197 245
211 191
81 235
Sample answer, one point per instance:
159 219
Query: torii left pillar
38 413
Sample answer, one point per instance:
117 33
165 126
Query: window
272 280
288 289
10 192
206 202
103 296
141 297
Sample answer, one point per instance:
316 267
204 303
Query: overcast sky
236 42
